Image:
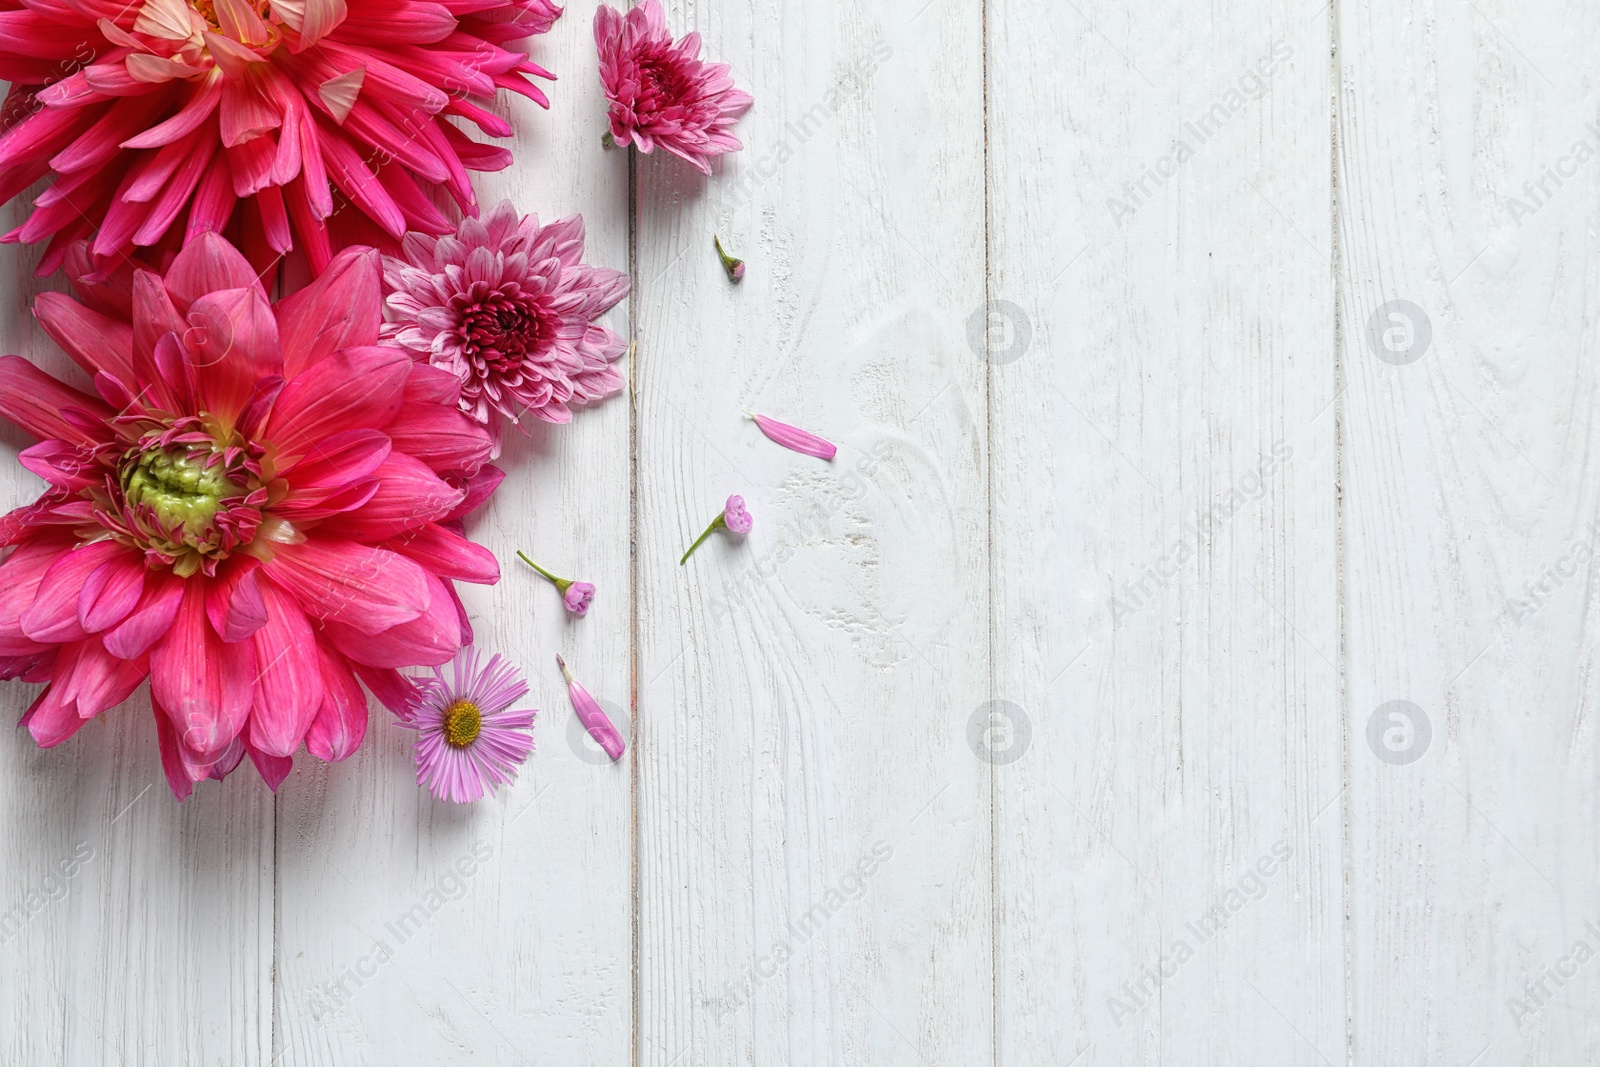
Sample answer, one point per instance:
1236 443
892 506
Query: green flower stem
732 264
561 584
716 522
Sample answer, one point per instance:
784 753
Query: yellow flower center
462 723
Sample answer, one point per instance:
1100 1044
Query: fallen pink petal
796 439
592 715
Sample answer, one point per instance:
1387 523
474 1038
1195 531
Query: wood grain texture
1168 871
1470 493
802 694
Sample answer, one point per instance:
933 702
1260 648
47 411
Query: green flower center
462 723
183 491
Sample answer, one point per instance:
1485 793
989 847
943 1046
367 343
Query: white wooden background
1170 503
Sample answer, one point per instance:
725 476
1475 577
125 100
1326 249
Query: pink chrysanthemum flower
661 93
162 119
260 505
506 307
467 740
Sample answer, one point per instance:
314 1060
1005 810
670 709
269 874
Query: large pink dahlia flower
260 505
508 308
162 119
661 93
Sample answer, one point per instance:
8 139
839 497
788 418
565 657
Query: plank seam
1340 652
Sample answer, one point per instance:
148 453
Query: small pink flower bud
734 267
574 595
577 597
734 519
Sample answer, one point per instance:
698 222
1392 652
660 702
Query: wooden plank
130 927
1168 867
521 951
813 852
1469 421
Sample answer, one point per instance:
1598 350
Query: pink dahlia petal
289 676
338 461
96 342
183 766
208 264
273 769
53 615
20 576
430 638
149 622
234 602
409 495
111 592
369 589
341 719
39 404
448 554
232 342
96 681
505 308
338 310
479 487
52 718
204 685
393 689
661 92
357 388
444 438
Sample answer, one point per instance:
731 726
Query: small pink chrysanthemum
467 740
162 119
259 505
507 307
662 93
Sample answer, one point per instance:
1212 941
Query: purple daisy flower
507 307
467 742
